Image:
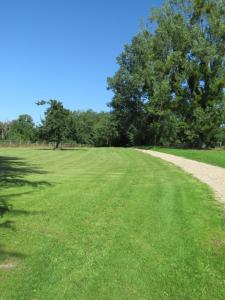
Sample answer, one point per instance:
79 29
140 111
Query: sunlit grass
107 224
214 157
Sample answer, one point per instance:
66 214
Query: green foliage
91 128
105 130
62 125
169 88
4 130
85 122
54 126
22 129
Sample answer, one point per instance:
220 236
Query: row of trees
86 127
21 129
169 89
62 125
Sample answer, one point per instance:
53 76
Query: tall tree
129 85
54 126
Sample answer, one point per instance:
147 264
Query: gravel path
211 175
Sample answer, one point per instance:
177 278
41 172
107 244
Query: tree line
169 89
62 125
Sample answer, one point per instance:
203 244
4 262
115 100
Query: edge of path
213 176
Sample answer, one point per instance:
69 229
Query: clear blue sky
62 49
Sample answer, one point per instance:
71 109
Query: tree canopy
169 88
54 125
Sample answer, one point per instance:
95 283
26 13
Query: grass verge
213 157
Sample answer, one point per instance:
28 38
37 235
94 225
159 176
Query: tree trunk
57 145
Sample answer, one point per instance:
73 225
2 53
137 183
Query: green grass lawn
213 157
106 224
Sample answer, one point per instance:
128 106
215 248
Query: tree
189 41
85 122
4 129
91 128
105 130
23 128
169 88
54 126
129 85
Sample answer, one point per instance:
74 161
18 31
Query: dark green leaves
173 76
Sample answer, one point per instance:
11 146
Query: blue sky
63 49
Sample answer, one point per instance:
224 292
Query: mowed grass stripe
111 224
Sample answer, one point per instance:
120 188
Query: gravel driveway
209 174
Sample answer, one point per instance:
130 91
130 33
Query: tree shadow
13 174
5 253
63 149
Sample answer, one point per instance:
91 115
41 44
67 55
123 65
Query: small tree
54 126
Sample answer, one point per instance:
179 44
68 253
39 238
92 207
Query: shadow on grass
6 256
143 147
62 149
13 172
74 149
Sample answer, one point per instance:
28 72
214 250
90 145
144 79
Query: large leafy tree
54 126
170 84
129 85
190 42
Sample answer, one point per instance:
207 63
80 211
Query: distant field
214 157
106 224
